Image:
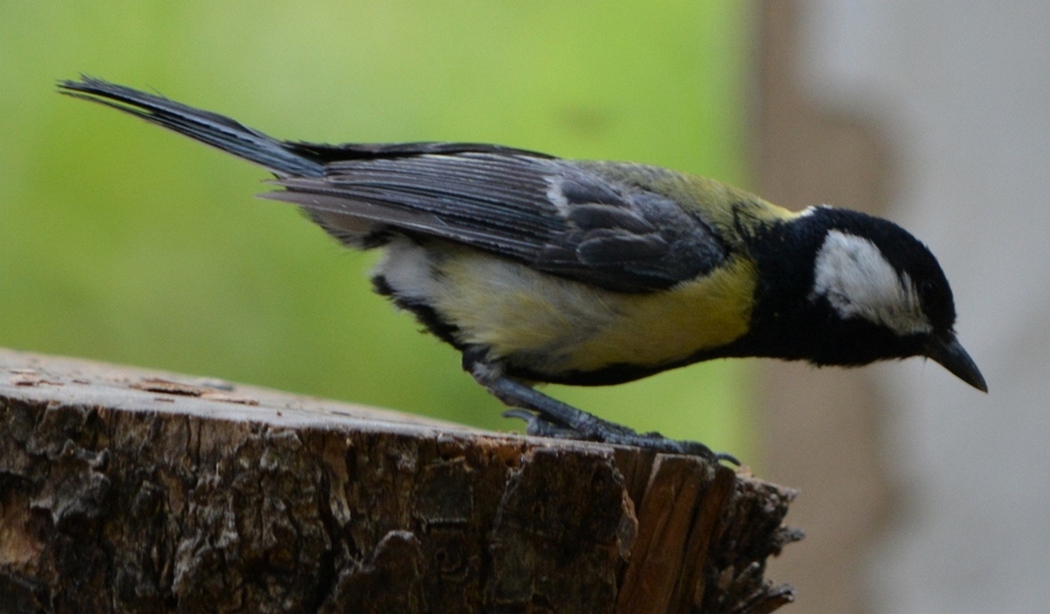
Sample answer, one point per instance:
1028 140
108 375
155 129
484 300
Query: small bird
545 270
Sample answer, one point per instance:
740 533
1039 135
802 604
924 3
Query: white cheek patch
858 282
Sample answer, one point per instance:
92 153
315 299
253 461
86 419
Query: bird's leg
549 417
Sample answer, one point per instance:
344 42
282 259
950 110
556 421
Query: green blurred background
125 243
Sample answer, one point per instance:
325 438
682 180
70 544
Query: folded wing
572 219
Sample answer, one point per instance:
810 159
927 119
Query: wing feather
566 218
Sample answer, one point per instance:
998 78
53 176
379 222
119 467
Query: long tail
213 129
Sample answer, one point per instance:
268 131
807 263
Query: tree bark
135 491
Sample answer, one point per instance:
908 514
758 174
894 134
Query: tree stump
129 490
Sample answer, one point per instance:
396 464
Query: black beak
946 350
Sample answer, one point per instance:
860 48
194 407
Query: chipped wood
130 490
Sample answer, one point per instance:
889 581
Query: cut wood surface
129 490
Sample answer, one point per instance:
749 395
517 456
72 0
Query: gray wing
566 218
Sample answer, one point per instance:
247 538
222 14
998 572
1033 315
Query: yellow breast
555 325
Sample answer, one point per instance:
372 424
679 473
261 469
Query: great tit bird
539 269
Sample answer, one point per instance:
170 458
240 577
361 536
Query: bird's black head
844 288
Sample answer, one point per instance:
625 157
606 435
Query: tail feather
210 128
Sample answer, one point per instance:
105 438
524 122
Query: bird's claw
540 425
